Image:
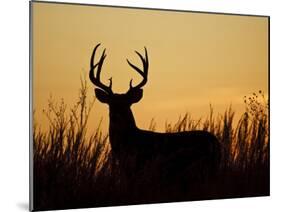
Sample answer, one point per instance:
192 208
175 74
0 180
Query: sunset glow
196 59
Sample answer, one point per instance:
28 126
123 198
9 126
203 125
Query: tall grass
74 170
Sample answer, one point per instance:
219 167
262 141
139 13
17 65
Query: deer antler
96 80
142 73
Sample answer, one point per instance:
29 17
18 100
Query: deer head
119 104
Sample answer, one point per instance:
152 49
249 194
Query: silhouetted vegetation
73 170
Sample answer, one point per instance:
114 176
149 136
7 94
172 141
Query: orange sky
195 59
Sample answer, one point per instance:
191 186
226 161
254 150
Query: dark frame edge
31 184
269 114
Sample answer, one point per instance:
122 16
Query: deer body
125 136
128 141
132 147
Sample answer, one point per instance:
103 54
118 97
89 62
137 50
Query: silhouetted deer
132 147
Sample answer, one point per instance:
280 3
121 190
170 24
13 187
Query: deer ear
101 95
135 95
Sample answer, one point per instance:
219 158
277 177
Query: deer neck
122 122
121 127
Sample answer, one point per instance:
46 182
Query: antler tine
147 61
96 80
143 73
93 57
103 56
